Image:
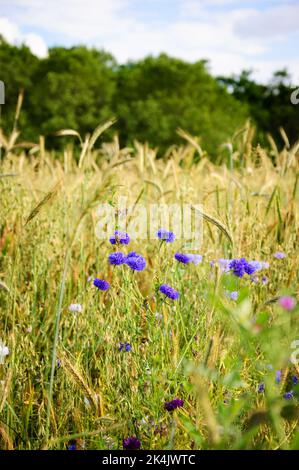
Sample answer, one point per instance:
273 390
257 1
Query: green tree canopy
269 104
17 67
73 89
157 95
79 87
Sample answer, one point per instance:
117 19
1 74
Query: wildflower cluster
239 267
173 404
165 235
188 258
278 377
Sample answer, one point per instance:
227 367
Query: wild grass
65 377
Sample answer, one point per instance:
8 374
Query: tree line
79 87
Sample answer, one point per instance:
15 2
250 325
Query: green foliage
269 105
73 89
17 68
79 87
64 377
157 95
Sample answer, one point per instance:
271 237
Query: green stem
55 342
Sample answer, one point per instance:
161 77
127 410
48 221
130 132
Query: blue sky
232 34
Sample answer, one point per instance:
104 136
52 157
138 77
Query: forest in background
78 88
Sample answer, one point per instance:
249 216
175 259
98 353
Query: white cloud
9 30
13 35
279 21
36 44
231 36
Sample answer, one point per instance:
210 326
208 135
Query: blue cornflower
117 258
261 388
186 258
224 264
196 259
173 404
121 238
165 235
241 267
183 258
136 262
72 445
258 265
279 255
131 443
278 376
265 280
233 295
125 347
249 268
295 379
101 284
238 267
289 395
169 292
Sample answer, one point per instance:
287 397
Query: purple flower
121 238
289 395
261 388
169 291
101 284
232 295
183 258
131 443
136 263
265 264
265 280
196 259
173 404
278 376
279 255
295 379
186 258
287 303
165 235
117 258
241 267
224 264
132 254
249 268
238 267
258 265
125 347
72 445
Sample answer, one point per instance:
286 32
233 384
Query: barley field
84 366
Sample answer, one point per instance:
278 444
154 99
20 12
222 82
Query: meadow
85 368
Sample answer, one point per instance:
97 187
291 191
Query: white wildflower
4 351
75 308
